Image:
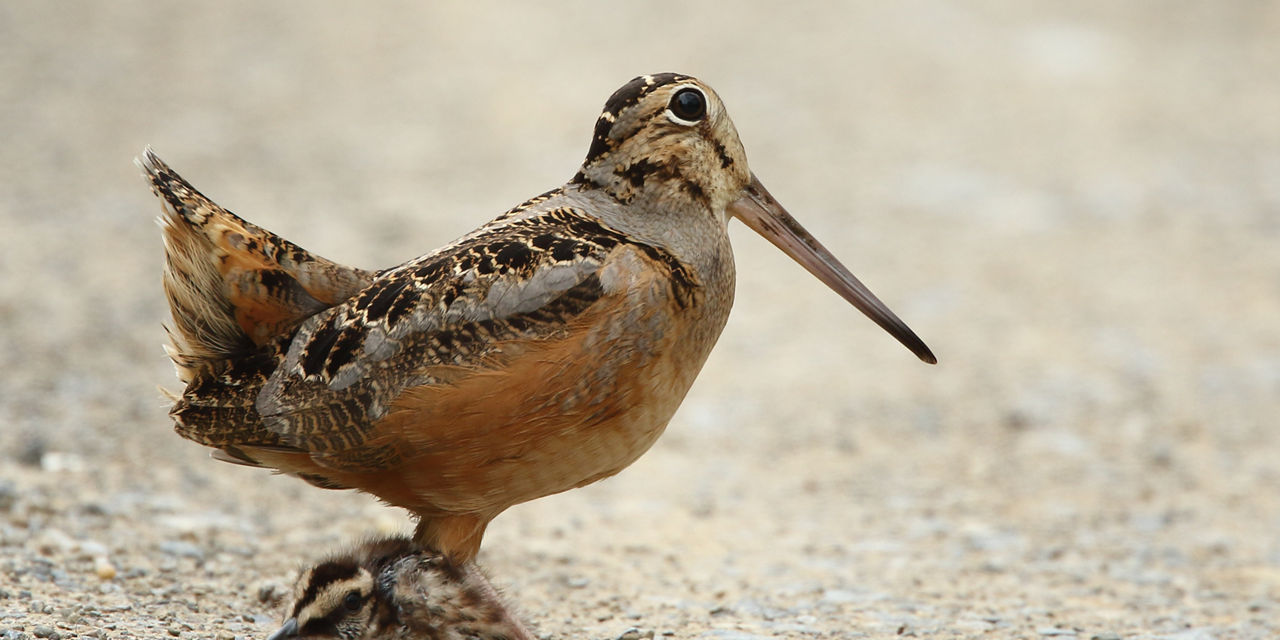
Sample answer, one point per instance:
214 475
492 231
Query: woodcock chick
391 589
541 352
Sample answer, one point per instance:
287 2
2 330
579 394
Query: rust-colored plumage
543 351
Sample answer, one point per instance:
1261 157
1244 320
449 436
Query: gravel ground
1076 204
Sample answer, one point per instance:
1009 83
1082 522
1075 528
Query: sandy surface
1076 204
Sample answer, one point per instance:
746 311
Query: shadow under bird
541 352
389 589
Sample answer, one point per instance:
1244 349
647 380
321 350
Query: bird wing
508 293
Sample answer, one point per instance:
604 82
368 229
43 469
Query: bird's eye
353 601
688 104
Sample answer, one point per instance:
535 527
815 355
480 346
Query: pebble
840 596
31 451
46 631
103 568
270 592
8 495
1055 631
52 541
1106 635
636 634
91 549
62 462
182 549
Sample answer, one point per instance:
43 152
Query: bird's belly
563 414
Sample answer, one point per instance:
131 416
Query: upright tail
233 286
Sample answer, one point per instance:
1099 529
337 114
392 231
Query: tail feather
233 286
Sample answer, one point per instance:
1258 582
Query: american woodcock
392 589
541 352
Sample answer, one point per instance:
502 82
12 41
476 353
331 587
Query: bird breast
570 411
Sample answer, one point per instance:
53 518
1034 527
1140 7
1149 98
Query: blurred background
1077 205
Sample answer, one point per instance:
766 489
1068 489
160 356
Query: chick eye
688 104
353 601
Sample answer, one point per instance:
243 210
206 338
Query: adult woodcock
543 351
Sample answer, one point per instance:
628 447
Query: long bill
758 210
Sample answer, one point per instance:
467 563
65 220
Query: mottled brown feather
233 286
401 591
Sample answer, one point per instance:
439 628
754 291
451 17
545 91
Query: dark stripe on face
725 160
323 576
625 97
320 628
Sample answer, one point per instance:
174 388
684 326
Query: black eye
353 601
688 104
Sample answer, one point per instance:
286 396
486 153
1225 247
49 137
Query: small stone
270 592
182 549
31 451
1055 631
104 569
8 495
1106 635
636 634
839 596
91 549
70 615
51 541
44 631
62 462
